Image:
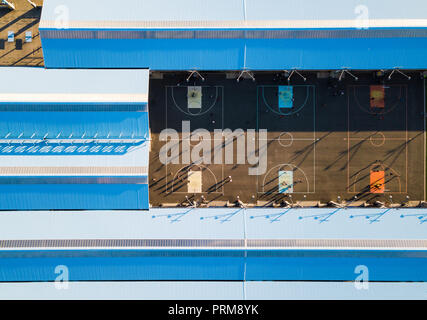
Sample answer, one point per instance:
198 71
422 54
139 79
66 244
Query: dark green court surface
325 142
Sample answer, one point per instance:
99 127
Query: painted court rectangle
285 97
377 181
377 96
286 181
194 182
194 97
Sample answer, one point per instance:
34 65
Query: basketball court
326 139
377 129
201 107
291 152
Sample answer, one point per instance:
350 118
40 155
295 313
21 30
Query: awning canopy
44 86
235 35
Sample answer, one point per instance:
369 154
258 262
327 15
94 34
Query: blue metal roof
212 265
78 196
331 54
236 54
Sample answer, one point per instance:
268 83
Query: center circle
285 139
378 139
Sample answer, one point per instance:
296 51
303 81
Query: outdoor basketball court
326 140
378 139
291 152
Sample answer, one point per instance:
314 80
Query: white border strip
73 97
237 24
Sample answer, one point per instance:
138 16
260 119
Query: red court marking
377 97
377 182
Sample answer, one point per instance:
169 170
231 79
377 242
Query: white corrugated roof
78 164
71 85
200 223
213 290
143 10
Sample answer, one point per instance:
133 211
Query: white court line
406 144
314 136
424 143
368 138
348 138
294 139
166 124
222 128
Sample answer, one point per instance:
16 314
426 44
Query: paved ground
325 148
24 18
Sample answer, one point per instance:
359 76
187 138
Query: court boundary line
424 142
392 139
406 143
